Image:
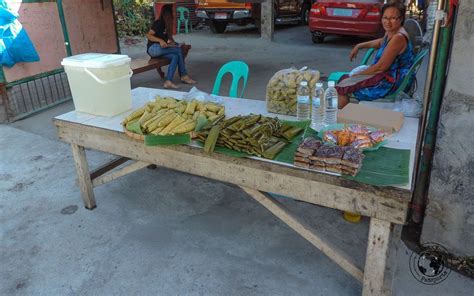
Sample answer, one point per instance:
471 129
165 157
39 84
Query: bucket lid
96 60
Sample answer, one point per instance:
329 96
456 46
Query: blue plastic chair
238 70
184 16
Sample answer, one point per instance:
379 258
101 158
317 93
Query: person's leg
175 55
181 65
183 73
172 66
155 50
342 101
171 69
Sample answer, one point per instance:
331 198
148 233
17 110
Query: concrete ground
162 232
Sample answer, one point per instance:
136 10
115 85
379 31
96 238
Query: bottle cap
319 84
331 83
304 83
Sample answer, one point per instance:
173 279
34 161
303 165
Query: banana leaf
384 167
287 155
152 140
134 127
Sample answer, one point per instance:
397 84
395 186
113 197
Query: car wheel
317 39
218 27
304 15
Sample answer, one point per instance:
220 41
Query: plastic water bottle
303 101
330 99
317 107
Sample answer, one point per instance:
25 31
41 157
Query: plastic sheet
195 93
283 86
15 45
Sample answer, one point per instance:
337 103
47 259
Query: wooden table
386 206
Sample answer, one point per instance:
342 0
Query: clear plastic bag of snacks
282 88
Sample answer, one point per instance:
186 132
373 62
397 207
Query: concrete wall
450 213
91 26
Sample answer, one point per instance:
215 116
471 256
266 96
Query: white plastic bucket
100 83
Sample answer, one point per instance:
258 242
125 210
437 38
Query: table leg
392 259
160 71
85 183
376 258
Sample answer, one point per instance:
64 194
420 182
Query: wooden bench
140 65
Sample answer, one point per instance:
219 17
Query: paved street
162 232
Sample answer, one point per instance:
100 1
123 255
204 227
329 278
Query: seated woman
161 44
391 63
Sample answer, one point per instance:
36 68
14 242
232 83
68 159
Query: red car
345 17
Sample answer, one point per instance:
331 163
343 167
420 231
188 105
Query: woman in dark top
161 44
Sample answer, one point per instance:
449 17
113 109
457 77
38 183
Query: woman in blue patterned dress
391 64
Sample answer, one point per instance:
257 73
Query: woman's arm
151 36
369 44
376 43
394 47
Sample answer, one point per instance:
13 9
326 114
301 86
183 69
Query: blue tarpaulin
15 45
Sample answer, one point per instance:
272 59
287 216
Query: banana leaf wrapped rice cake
252 134
314 154
169 116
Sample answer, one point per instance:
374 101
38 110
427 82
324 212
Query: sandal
188 80
170 85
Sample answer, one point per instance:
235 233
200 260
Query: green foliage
134 17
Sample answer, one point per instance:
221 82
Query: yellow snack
221 111
212 107
157 131
191 107
181 108
200 106
176 121
146 116
168 117
155 123
185 127
135 114
156 116
214 117
209 114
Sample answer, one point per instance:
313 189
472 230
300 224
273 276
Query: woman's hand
354 52
163 44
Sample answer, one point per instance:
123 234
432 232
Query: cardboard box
387 120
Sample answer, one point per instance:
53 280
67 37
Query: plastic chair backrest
336 76
408 78
182 11
368 54
238 70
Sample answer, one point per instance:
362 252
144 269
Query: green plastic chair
408 83
184 16
336 76
239 70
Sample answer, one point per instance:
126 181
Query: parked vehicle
345 17
219 13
